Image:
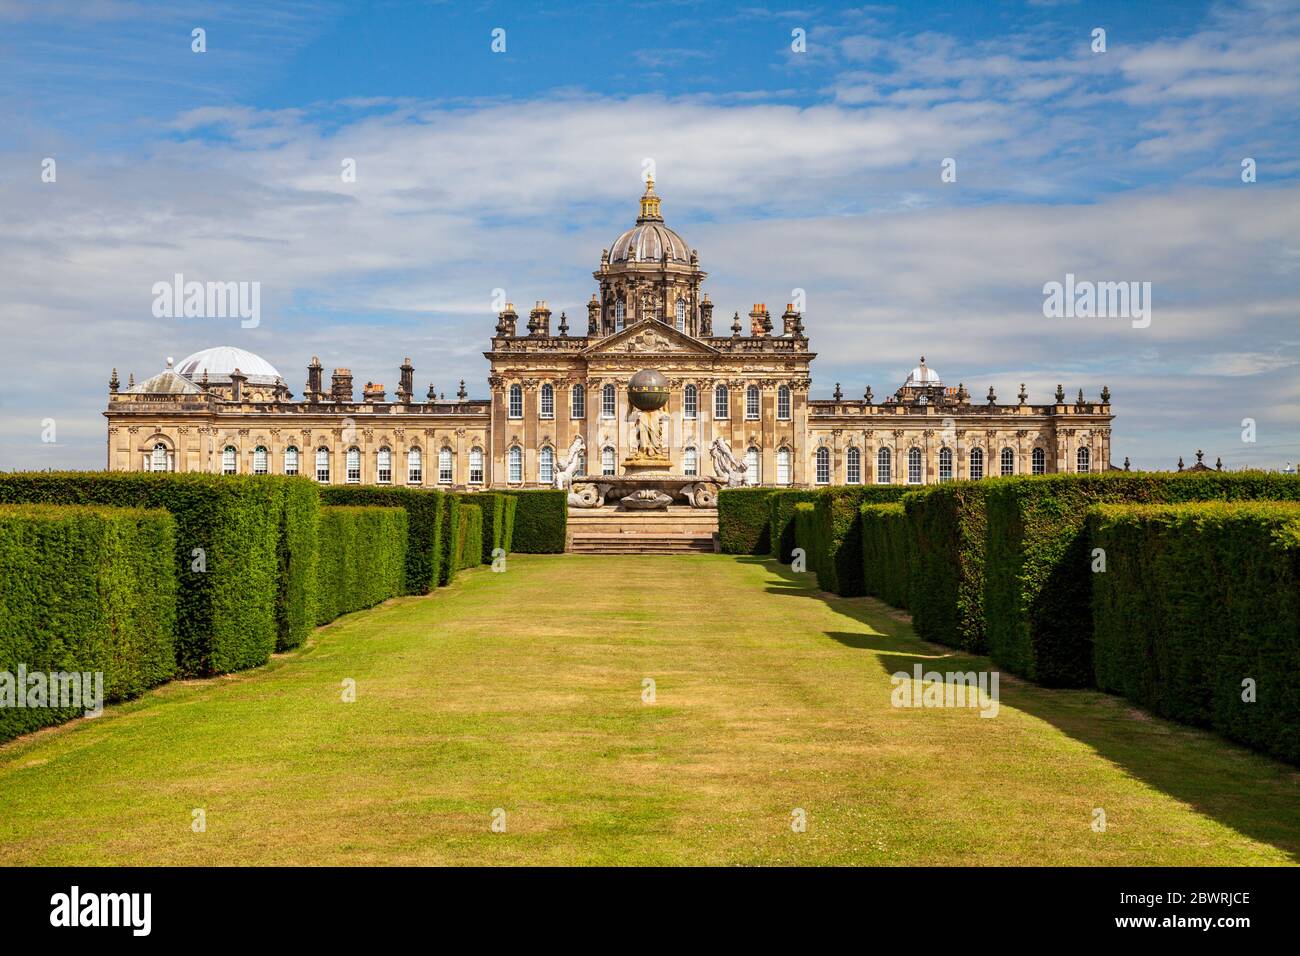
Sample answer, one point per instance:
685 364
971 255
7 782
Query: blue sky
816 170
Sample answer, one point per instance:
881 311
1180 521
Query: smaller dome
923 375
221 361
166 382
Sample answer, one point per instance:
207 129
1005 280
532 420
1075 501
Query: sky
797 148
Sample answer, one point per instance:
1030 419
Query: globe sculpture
648 390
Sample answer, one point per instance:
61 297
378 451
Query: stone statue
725 464
568 465
647 433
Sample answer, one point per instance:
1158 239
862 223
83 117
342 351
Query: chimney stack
313 381
373 392
341 385
507 321
760 322
406 382
237 380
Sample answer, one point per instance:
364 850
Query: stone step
640 543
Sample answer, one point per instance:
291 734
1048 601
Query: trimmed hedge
228 554
837 534
86 589
449 562
805 518
508 530
493 507
1038 578
1196 598
296 596
780 529
541 521
743 520
362 557
946 596
470 536
887 549
425 511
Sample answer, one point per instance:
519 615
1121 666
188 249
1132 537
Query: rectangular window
579 404
548 401
607 402
607 462
516 402
689 462
783 404
720 403
751 404
690 407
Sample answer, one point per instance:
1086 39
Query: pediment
650 337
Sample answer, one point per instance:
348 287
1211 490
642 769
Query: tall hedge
493 506
837 534
230 604
296 596
449 563
541 521
362 557
887 550
508 529
470 537
425 513
780 529
1195 600
947 593
805 523
743 520
1038 578
85 590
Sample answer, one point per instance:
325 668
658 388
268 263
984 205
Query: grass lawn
523 691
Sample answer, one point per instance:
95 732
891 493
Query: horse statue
726 465
568 465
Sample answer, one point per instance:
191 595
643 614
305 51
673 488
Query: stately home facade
226 410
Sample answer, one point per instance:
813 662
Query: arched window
291 460
1039 462
548 401
884 473
414 467
721 402
546 466
783 466
578 402
783 403
476 465
751 403
753 467
690 402
681 315
323 465
914 466
352 466
608 402
515 462
229 460
1008 462
582 463
690 461
945 464
620 314
158 460
976 464
822 472
444 466
1083 461
260 460
607 461
853 466
516 401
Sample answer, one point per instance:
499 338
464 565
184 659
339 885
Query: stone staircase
679 530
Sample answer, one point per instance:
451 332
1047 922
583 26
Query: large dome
923 375
220 361
649 240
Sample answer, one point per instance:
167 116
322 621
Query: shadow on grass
1248 792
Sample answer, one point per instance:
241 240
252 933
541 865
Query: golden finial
649 202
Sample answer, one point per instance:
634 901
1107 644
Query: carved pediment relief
652 337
